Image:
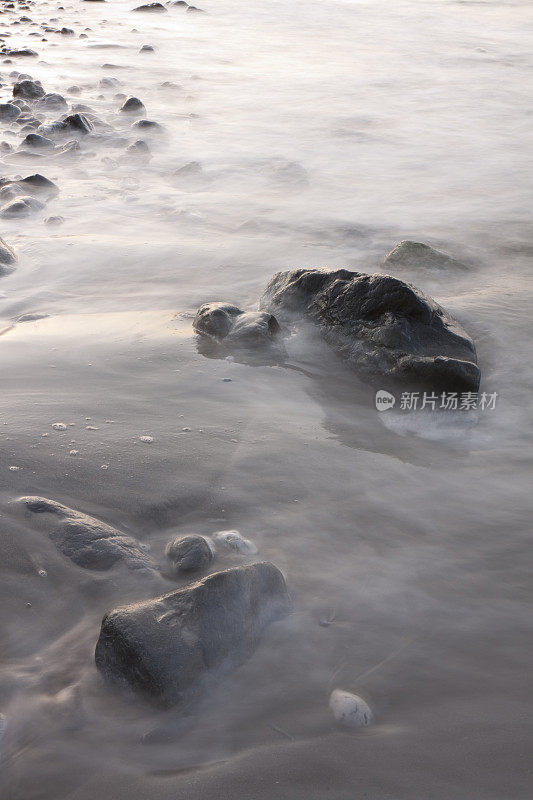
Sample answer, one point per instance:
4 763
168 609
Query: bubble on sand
15 469
59 426
43 573
73 452
350 709
146 439
104 466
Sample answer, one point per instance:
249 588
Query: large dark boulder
386 329
166 648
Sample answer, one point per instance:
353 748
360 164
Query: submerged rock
8 258
87 541
386 329
417 254
167 647
8 111
350 709
21 207
79 123
189 553
226 323
233 540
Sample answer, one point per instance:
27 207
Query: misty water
325 133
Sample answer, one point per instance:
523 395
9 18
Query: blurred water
326 133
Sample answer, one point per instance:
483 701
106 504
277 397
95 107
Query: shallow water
326 132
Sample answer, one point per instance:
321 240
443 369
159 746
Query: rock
417 254
166 648
24 52
8 111
138 148
52 100
147 48
189 553
36 140
386 329
132 105
233 540
21 207
152 7
87 541
66 32
145 124
29 90
54 221
79 123
194 10
7 258
350 709
226 323
38 184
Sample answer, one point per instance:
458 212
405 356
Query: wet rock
157 8
8 258
386 329
24 52
132 105
195 10
226 323
419 255
233 540
66 32
349 709
29 90
145 124
38 184
87 541
21 207
147 48
36 140
8 111
168 647
138 148
52 101
54 222
79 123
189 553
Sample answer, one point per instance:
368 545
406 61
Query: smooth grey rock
36 140
52 100
189 553
8 111
152 7
8 258
28 89
226 323
21 207
87 541
166 648
386 329
145 124
132 105
419 255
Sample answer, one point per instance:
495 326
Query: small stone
350 709
132 105
189 553
59 426
233 540
146 439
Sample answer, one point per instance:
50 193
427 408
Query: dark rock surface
386 329
29 90
152 7
226 323
189 553
132 105
7 258
167 647
87 541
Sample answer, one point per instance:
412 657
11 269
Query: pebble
350 709
233 540
189 553
146 439
59 426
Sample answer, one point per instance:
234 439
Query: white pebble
73 452
233 540
350 709
147 439
15 469
59 426
104 466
